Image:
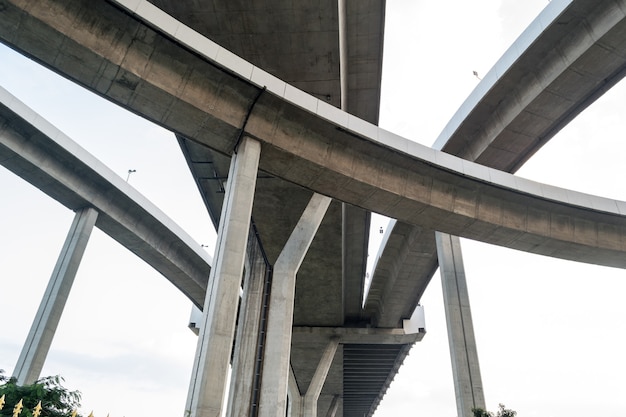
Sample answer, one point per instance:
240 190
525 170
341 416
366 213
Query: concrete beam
215 342
463 352
39 339
279 326
48 159
568 57
357 335
336 154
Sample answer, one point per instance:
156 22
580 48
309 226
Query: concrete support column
48 315
464 355
306 405
334 406
315 387
295 397
280 319
215 339
247 340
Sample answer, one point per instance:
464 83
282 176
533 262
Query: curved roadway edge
42 155
205 93
326 150
570 55
305 140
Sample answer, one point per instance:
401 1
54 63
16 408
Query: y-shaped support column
306 405
334 406
44 326
215 339
465 368
280 319
315 387
295 397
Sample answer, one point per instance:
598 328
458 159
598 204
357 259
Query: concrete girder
407 261
217 329
356 335
42 155
384 173
355 239
570 55
372 353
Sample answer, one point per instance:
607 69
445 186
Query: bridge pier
306 405
315 387
294 396
468 385
216 333
39 339
276 368
243 383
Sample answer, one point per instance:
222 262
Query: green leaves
56 401
502 412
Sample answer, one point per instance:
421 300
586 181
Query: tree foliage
502 412
56 401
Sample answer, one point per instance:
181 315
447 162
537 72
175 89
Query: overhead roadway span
342 261
570 55
209 96
42 155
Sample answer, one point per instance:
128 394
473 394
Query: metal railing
36 412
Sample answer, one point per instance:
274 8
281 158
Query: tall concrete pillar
468 385
217 328
315 387
247 341
280 319
48 315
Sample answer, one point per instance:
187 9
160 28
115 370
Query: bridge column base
464 355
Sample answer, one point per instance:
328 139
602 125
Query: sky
550 333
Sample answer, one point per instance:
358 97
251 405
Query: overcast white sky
550 333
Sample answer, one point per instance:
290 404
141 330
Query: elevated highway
211 98
570 55
45 157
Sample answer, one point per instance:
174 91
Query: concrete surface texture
51 161
146 60
568 57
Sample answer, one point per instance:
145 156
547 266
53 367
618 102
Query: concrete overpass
355 183
42 155
522 102
45 157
